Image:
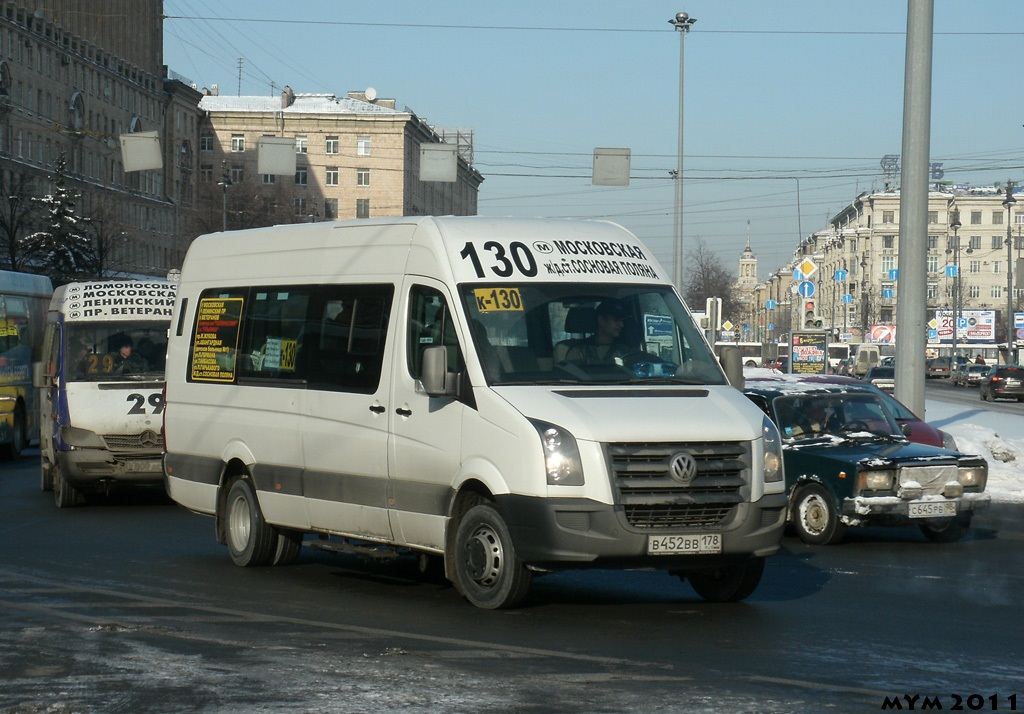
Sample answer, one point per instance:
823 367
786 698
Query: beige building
72 80
861 245
356 156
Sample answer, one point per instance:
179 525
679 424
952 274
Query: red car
913 427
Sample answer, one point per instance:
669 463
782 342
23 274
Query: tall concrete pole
912 285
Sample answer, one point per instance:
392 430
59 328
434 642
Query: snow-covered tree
62 249
18 217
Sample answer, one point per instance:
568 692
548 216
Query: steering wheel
855 425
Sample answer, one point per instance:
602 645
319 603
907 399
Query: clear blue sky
775 92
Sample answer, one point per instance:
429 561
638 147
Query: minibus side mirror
437 380
39 376
732 363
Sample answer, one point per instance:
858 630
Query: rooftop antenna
239 76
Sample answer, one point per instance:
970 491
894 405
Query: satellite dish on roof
370 93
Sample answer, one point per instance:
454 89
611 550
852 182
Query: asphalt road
129 605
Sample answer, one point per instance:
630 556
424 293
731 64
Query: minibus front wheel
251 541
489 573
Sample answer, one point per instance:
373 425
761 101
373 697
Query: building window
332 145
268 179
363 146
997 267
330 208
888 263
362 208
362 177
997 242
1018 242
888 216
301 176
975 218
997 291
332 176
933 242
206 173
300 206
237 173
888 241
933 291
974 292
206 142
975 242
975 266
237 143
933 263
301 145
997 218
933 217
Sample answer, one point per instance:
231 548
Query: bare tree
19 216
708 277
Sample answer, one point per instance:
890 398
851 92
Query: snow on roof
303 104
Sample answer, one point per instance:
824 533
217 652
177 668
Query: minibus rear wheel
489 573
250 540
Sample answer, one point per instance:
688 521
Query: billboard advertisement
974 326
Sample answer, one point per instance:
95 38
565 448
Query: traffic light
811 321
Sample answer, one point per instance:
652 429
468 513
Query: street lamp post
1008 202
864 298
682 23
954 224
225 182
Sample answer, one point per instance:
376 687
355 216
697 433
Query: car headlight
875 480
973 476
79 438
561 455
772 452
948 442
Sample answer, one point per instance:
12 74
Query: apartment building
357 156
71 82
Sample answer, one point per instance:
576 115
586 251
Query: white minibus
501 396
102 380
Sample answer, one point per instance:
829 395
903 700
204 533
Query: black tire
730 583
64 494
488 572
946 530
288 547
814 516
250 540
13 450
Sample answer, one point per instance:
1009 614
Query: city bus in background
23 302
102 380
837 352
751 352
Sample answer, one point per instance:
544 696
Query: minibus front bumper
579 533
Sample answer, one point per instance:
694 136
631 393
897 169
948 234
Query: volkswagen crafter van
503 396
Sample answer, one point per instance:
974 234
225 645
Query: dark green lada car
848 463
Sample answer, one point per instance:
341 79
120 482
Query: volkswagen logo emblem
683 468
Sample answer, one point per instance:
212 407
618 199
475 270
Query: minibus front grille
651 498
146 442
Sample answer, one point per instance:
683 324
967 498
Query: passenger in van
125 360
80 353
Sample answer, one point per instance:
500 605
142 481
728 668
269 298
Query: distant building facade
72 80
356 157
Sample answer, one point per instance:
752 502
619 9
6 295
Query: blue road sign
806 288
770 304
951 271
847 298
894 274
888 293
841 275
771 325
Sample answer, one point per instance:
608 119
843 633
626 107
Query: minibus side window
274 335
430 325
345 344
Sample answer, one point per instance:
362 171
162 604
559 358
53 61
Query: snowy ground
997 436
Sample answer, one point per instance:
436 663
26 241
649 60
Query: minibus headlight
561 456
81 438
972 476
875 480
772 452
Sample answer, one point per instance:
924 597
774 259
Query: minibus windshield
115 351
586 333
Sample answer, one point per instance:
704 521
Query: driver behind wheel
605 344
